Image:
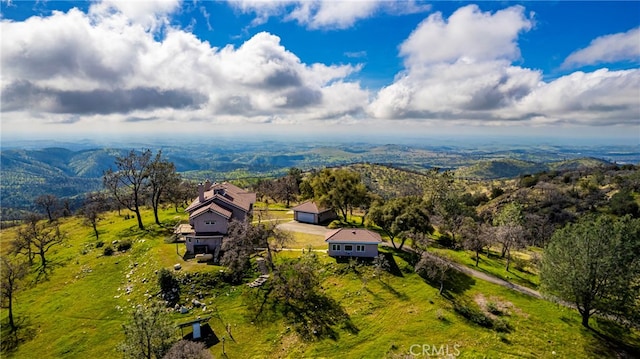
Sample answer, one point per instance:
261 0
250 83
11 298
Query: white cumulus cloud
468 33
623 46
108 65
325 14
460 70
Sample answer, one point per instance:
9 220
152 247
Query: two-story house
210 214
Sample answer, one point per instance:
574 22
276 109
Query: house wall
327 216
199 223
213 242
370 250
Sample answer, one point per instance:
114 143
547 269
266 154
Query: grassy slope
495 266
79 311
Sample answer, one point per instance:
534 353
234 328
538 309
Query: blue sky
398 68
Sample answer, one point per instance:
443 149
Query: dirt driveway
294 226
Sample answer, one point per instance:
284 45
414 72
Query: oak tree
162 177
12 271
595 265
148 333
128 181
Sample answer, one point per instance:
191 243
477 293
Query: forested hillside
69 174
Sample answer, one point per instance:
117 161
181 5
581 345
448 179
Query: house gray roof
225 194
352 235
309 207
214 208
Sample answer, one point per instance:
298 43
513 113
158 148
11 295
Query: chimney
207 185
201 192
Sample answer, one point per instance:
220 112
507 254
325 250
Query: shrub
535 259
169 286
519 263
493 308
472 313
107 251
124 245
528 181
99 244
335 224
186 349
440 315
500 325
446 241
496 192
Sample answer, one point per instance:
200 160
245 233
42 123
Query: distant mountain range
74 170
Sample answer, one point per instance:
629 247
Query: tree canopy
595 264
341 189
401 217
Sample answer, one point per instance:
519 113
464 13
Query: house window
348 247
210 222
360 248
189 239
335 247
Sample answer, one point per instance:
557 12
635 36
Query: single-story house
352 242
210 214
310 212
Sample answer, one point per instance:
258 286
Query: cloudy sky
306 67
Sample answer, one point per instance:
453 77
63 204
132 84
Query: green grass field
79 310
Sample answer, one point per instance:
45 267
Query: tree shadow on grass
316 318
407 255
522 280
613 340
392 265
393 291
10 340
43 273
456 283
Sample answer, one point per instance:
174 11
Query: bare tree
22 244
243 242
94 204
180 194
12 271
49 203
40 238
510 231
148 334
511 237
162 176
475 236
127 183
284 189
435 268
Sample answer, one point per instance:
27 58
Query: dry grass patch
494 306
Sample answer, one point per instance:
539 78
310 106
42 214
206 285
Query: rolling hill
69 173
